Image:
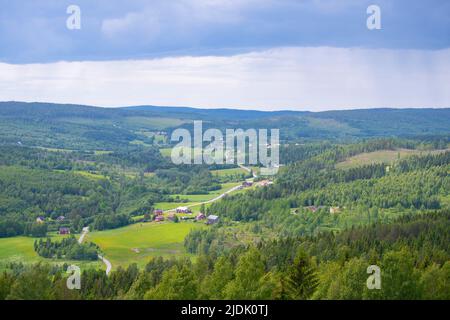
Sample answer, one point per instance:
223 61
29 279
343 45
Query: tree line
412 253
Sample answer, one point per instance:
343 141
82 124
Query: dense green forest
413 252
83 128
310 235
103 190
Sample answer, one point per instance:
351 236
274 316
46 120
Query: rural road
108 263
220 196
105 261
83 234
248 170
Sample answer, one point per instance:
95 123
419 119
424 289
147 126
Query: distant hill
81 127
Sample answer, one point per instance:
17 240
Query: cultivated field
228 172
383 156
139 242
194 200
20 250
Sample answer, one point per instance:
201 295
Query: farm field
383 156
140 143
139 242
228 172
172 205
20 249
90 175
194 199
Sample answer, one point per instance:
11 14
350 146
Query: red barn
64 230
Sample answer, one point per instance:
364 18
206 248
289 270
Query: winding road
83 234
108 263
248 170
222 195
104 260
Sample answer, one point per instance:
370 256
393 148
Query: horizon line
250 109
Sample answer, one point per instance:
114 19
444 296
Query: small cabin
40 219
247 184
158 212
159 218
212 219
183 210
265 183
60 218
64 231
200 217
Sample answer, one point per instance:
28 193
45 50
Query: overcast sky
258 54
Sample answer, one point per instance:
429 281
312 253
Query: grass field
139 242
140 143
20 249
383 156
228 172
90 175
165 152
193 199
102 152
172 205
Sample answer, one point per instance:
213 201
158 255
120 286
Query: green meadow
90 175
194 200
383 156
172 205
228 172
20 249
139 242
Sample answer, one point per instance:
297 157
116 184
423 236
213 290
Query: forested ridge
88 189
412 252
311 234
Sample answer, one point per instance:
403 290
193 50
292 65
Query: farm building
64 231
265 183
40 219
159 218
60 218
183 210
158 212
172 217
212 219
247 184
200 217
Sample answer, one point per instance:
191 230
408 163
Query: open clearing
20 249
228 172
383 156
195 199
139 242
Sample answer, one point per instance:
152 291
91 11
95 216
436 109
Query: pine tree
302 279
